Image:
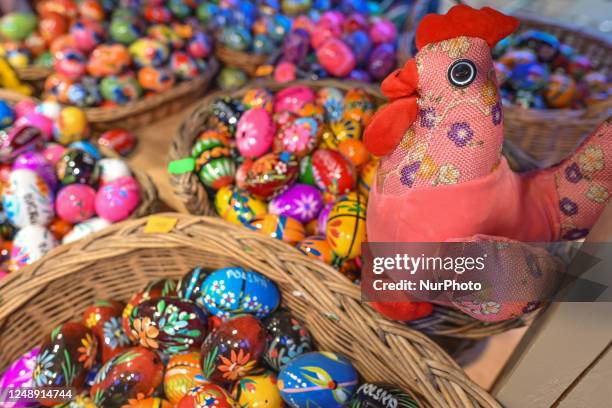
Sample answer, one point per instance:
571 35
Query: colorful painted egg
213 162
146 52
293 99
271 173
120 140
258 98
20 375
299 136
300 201
336 57
157 13
23 107
306 175
52 26
296 46
26 199
237 206
381 395
366 177
190 285
75 203
116 199
346 226
233 350
7 116
237 38
200 45
85 228
544 44
137 371
183 373
255 132
38 120
166 35
19 139
340 131
113 169
168 325
560 91
287 338
17 26
31 243
359 106
314 110
103 318
332 172
317 247
226 114
317 379
120 89
92 9
262 45
355 151
258 391
231 78
106 60
207 395
156 79
183 65
87 34
38 163
229 291
77 166
71 125
65 356
86 146
382 61
71 63
280 227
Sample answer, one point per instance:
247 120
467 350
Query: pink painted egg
24 106
255 132
116 200
87 34
39 121
383 31
20 375
76 203
71 63
293 98
336 57
53 152
299 136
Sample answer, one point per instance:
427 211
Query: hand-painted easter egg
355 151
361 44
226 114
296 46
545 45
317 379
332 172
317 247
359 106
183 65
340 131
106 60
92 9
258 391
71 63
116 199
366 177
336 57
65 356
238 206
75 203
147 52
382 61
36 45
52 26
168 325
183 373
19 139
77 166
233 350
20 375
231 78
255 132
135 372
17 26
154 289
213 162
324 217
281 227
207 394
287 338
258 98
200 45
383 31
113 169
299 136
560 91
229 291
346 226
271 173
71 125
85 228
155 13
300 201
156 79
7 116
103 318
120 89
120 140
381 395
293 98
190 285
38 120
31 243
237 38
26 199
263 45
87 34
38 163
166 35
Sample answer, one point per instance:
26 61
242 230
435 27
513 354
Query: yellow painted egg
183 372
71 125
281 227
358 105
346 227
317 247
258 391
366 177
340 131
238 206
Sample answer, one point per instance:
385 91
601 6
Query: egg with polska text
26 199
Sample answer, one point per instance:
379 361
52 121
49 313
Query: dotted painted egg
281 227
75 203
299 136
255 132
287 338
293 99
77 166
183 373
116 199
346 226
238 206
317 247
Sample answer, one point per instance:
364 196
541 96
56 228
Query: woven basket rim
426 371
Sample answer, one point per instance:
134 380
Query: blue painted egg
332 100
231 291
317 380
7 116
262 44
237 38
529 77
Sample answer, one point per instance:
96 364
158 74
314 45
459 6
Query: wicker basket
116 262
34 75
245 61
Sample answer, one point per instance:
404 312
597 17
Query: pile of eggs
55 185
106 54
536 70
215 339
292 166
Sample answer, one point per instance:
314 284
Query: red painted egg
332 172
271 173
119 140
336 57
104 320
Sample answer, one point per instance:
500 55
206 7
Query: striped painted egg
346 226
281 227
183 372
238 206
340 131
317 247
214 164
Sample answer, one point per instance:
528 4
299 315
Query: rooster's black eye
462 73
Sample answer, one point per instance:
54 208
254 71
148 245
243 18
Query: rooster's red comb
464 21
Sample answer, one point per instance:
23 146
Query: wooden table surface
151 156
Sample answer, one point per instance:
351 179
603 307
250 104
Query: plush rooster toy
442 175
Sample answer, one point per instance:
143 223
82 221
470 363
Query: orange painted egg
281 227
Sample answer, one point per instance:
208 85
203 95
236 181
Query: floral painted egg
113 169
146 52
120 140
26 199
258 391
190 285
230 291
258 98
120 89
75 203
77 166
168 325
226 114
300 201
38 163
317 379
71 63
233 350
85 228
116 199
103 318
271 173
208 394
155 79
346 226
19 139
255 132
336 57
155 289
183 65
332 172
71 125
107 60
65 356
366 177
299 136
287 338
340 131
213 162
293 99
136 372
31 243
281 227
20 375
317 247
381 395
183 373
359 106
238 206
200 45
